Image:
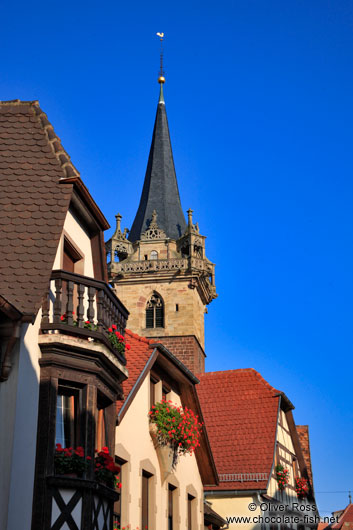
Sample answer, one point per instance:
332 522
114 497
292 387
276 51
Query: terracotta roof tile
33 202
136 359
240 411
303 433
346 519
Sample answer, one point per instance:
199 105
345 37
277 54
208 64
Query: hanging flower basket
175 429
301 487
282 476
165 453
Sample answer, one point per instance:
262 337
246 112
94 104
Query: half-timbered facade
253 437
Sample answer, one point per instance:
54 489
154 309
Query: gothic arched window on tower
154 254
155 312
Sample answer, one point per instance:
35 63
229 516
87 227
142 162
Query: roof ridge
55 143
239 370
19 102
139 337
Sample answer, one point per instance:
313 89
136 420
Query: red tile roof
346 520
136 359
303 433
322 526
240 410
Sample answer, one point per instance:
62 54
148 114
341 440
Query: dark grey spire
160 189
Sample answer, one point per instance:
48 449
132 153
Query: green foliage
69 460
177 427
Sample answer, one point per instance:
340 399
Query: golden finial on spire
161 78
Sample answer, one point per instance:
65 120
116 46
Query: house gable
145 358
38 184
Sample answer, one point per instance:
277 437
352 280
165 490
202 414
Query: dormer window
154 254
155 312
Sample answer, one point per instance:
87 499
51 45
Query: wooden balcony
73 300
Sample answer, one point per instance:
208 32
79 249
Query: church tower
160 271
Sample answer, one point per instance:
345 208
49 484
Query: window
145 499
154 254
295 467
176 307
190 510
155 312
66 431
152 391
170 506
102 437
72 258
165 392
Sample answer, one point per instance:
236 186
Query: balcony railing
74 300
171 264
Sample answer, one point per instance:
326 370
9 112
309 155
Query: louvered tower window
155 312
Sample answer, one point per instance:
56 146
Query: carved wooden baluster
70 302
105 312
91 295
45 308
100 302
121 321
114 314
80 307
112 317
57 302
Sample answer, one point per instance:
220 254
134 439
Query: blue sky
259 101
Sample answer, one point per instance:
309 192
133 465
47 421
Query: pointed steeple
160 190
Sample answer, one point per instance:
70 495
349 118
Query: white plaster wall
81 239
229 507
238 505
22 421
133 435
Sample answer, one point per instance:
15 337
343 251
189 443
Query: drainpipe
7 361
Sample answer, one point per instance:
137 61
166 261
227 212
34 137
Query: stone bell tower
160 271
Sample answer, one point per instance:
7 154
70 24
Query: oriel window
155 312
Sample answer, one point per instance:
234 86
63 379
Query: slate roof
160 190
240 410
33 202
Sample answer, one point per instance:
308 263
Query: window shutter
149 317
159 317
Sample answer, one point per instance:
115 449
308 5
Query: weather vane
161 78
